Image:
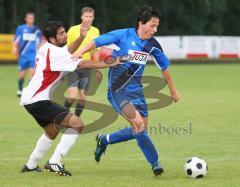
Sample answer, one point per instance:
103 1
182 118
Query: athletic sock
20 84
68 103
42 146
147 147
118 136
79 109
67 141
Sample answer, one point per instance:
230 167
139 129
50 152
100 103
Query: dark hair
146 13
87 9
51 28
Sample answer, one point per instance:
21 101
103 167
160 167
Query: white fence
210 47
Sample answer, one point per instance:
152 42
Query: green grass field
210 102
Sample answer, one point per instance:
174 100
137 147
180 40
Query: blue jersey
127 76
28 39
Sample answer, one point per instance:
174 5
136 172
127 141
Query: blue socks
147 147
143 140
20 84
119 136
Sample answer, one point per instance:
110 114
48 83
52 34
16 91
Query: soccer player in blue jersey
125 91
27 40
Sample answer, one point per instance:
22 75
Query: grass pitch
210 103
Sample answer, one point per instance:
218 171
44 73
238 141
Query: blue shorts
121 98
24 63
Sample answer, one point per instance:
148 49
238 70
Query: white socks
43 144
67 141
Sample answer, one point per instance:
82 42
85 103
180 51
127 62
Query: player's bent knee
138 125
50 133
70 100
81 102
76 123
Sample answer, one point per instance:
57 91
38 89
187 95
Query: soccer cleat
26 169
19 93
157 170
57 168
100 149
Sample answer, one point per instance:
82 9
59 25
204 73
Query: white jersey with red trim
51 64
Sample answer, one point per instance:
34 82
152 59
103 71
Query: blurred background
204 33
179 17
190 29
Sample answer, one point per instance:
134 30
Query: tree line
178 17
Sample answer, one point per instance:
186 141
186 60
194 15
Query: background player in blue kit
125 91
27 40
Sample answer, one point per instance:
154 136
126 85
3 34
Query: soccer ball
195 168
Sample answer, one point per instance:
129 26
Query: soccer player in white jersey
52 61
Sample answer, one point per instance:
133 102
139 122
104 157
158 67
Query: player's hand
85 26
14 49
175 96
74 58
77 55
114 62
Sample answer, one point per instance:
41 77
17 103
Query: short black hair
51 28
147 13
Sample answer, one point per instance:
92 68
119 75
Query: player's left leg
137 131
42 146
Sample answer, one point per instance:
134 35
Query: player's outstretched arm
74 46
83 32
98 64
88 47
173 91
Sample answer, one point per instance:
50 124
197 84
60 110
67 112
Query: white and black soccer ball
195 168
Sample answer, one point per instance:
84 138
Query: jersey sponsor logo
133 43
138 57
29 36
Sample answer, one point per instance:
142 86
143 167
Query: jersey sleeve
61 60
156 52
109 38
17 35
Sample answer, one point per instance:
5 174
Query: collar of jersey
141 42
